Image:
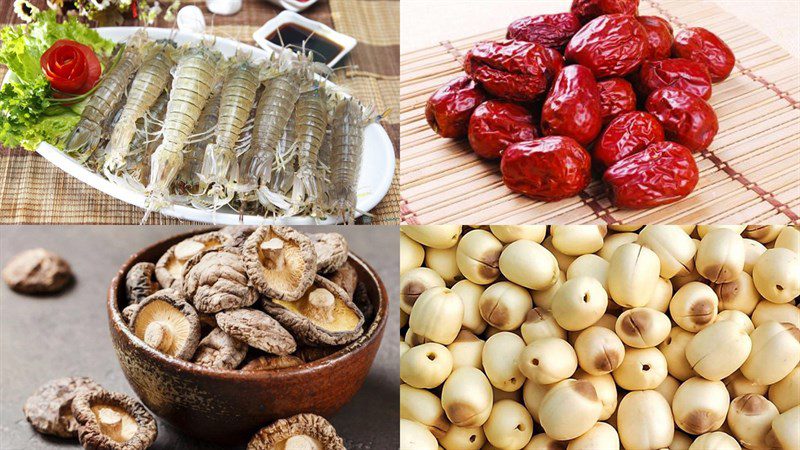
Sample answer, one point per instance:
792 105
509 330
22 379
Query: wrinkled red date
587 10
512 70
629 133
549 30
680 73
572 107
496 124
687 119
616 97
659 36
705 47
449 108
611 46
662 173
548 168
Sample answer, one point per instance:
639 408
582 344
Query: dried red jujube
629 133
587 10
496 124
449 108
616 97
611 46
548 168
680 73
572 107
705 47
549 30
511 70
659 36
662 173
687 119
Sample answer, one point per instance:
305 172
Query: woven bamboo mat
750 174
34 191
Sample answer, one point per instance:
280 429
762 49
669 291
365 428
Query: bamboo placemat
34 191
750 174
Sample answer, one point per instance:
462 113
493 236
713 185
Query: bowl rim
372 333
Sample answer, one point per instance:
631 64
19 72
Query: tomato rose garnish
70 66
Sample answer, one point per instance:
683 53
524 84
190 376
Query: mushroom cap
135 428
344 322
346 277
49 408
237 234
331 250
140 282
257 329
216 279
169 268
289 277
272 363
310 425
37 271
177 320
219 350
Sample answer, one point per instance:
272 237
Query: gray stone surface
42 338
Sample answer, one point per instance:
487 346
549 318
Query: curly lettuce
27 116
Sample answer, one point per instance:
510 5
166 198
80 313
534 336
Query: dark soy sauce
293 35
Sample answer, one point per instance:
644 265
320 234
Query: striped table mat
34 191
750 174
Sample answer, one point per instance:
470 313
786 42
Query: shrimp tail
268 197
84 140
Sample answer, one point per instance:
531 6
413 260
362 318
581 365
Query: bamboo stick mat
34 191
750 174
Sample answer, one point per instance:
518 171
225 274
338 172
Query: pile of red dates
598 87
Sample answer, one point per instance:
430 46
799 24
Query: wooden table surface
42 338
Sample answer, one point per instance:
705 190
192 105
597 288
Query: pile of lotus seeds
592 337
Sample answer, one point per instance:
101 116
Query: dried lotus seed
414 282
411 253
589 265
694 306
216 280
579 303
169 268
601 435
529 264
477 256
140 282
509 426
762 233
510 233
310 431
435 236
322 316
415 436
112 420
424 407
641 369
219 350
720 256
576 399
644 420
331 250
776 351
437 316
280 262
37 271
167 323
271 363
776 275
643 327
548 360
426 366
674 350
470 294
575 240
257 329
466 397
633 273
444 262
539 323
48 410
463 438
612 242
700 405
501 355
606 390
789 238
599 350
504 305
785 394
750 419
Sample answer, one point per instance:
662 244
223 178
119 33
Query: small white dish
347 43
294 5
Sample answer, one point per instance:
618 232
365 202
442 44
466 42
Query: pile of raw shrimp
185 125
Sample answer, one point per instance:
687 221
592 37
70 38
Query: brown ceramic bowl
229 406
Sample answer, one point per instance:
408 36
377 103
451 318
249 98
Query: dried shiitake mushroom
37 271
113 421
129 311
272 363
169 268
219 350
331 250
140 282
362 301
303 431
216 280
49 408
347 278
257 329
236 234
280 261
323 316
167 323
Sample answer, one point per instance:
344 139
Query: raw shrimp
273 111
312 121
347 139
147 85
145 141
193 81
186 182
86 137
219 161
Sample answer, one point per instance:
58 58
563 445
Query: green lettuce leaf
28 118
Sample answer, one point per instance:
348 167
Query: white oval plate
374 180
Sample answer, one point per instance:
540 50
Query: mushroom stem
302 442
271 253
158 336
111 423
186 249
322 302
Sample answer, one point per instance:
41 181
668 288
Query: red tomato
70 66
